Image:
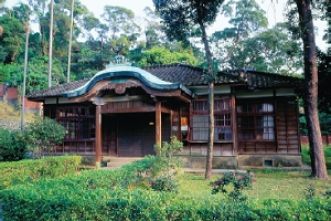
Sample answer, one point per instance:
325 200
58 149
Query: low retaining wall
234 162
269 161
198 162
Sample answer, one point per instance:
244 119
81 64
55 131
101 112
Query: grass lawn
267 185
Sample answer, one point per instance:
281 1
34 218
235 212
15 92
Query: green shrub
45 133
13 145
107 195
26 171
327 153
164 183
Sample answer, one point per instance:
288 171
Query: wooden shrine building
123 111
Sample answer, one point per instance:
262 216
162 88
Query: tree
272 50
179 18
163 55
12 39
324 75
70 39
119 21
27 31
246 19
50 48
311 89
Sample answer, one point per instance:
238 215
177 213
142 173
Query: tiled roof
189 76
58 89
256 79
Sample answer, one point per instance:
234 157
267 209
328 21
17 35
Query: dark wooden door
136 134
109 134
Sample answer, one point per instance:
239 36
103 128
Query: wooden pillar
98 137
158 126
234 125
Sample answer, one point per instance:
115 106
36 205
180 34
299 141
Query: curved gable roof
170 77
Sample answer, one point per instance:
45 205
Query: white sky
274 10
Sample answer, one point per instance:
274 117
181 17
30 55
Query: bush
13 145
26 171
327 153
164 183
45 133
108 195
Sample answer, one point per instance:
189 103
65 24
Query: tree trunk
70 39
311 89
209 160
50 52
27 34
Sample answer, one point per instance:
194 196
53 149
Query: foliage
12 38
248 44
164 183
109 195
325 122
324 75
168 149
45 133
11 74
27 171
239 181
13 145
163 55
306 156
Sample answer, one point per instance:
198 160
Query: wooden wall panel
287 126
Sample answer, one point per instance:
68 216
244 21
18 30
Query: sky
274 11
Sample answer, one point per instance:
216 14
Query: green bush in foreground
44 134
26 171
13 145
118 195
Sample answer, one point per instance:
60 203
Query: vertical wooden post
158 126
234 125
98 140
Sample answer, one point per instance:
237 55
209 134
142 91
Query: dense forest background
246 43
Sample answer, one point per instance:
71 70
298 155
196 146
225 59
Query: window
200 120
256 121
79 121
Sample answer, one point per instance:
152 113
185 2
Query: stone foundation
199 162
234 162
269 161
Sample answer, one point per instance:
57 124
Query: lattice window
256 121
79 121
200 120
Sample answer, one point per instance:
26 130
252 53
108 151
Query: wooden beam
234 124
98 140
158 120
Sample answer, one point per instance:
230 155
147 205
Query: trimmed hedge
26 171
113 195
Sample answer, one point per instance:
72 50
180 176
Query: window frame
78 120
224 113
254 114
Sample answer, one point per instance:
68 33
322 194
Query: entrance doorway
129 135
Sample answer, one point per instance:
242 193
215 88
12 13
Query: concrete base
269 161
243 161
224 162
198 162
